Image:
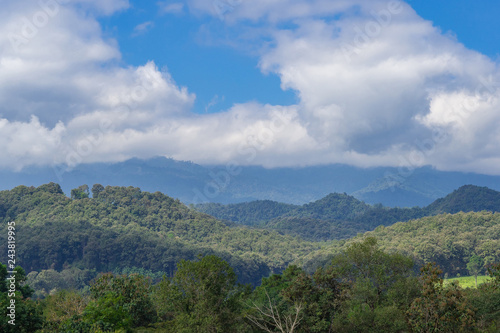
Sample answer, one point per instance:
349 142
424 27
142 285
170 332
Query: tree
96 190
439 309
202 296
269 317
475 265
364 264
107 313
296 301
373 277
27 316
125 294
64 311
80 192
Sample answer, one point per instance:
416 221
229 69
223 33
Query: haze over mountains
193 183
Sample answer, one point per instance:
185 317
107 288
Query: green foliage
449 240
486 301
340 216
334 206
81 192
64 310
49 281
368 284
468 198
296 300
15 305
124 294
468 281
439 309
96 190
123 227
201 297
475 266
336 216
380 287
108 314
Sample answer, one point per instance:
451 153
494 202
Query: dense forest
450 240
124 229
113 259
362 289
341 216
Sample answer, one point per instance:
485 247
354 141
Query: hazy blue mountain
192 183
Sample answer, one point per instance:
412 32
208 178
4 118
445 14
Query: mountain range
339 216
65 241
193 183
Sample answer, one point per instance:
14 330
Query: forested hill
468 198
124 228
339 216
450 240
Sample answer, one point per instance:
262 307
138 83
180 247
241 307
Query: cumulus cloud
377 84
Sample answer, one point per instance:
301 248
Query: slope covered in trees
450 240
340 216
468 198
122 228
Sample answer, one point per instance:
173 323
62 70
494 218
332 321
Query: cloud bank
377 84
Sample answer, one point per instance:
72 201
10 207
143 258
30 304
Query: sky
266 82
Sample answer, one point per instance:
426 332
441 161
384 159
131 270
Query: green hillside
450 240
122 228
468 198
341 216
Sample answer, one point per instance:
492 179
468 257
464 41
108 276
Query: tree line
362 289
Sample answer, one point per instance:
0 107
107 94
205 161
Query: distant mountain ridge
339 216
193 183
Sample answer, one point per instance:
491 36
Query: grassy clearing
469 281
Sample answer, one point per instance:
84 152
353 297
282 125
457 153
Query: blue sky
222 75
219 75
264 82
473 22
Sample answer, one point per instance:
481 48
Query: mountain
468 198
124 228
339 216
192 183
334 206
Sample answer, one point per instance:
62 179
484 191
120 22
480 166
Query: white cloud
171 8
375 85
142 28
